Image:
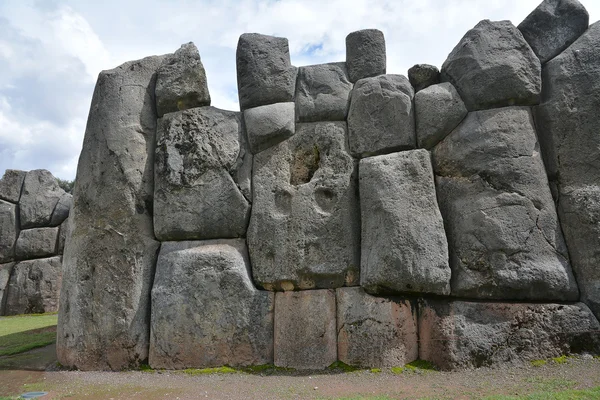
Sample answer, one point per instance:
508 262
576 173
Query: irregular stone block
458 334
322 93
422 76
403 243
305 329
205 310
198 152
375 331
62 209
104 318
504 236
5 272
36 243
439 109
64 231
268 125
265 74
381 117
553 26
181 82
34 287
11 185
493 66
365 54
40 196
305 223
9 231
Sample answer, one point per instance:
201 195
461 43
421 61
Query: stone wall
344 213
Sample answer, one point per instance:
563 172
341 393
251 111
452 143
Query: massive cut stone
568 122
553 26
198 153
64 231
181 82
493 66
205 310
40 196
460 334
62 209
36 243
439 109
34 287
381 117
305 329
375 331
422 76
305 223
5 272
403 244
265 74
9 231
11 185
322 93
504 237
104 318
268 125
365 54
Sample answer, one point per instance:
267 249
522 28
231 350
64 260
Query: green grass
25 332
204 371
343 367
538 363
560 360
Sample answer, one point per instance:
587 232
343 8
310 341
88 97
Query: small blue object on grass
33 395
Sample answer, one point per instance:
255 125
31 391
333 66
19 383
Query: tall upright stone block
365 54
5 272
9 231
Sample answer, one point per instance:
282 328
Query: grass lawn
21 333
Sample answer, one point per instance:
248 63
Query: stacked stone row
34 212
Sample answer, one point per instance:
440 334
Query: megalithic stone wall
344 214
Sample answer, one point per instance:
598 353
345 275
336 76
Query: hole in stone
304 165
409 286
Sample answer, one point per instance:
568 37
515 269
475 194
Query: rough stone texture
365 54
305 223
469 335
381 117
493 66
439 109
198 152
5 272
40 196
305 329
268 125
553 26
265 74
403 243
108 264
504 237
36 243
62 209
375 331
422 76
11 185
64 231
9 231
568 123
205 310
34 287
181 82
322 93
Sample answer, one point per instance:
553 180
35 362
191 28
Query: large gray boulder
504 236
265 74
268 125
403 243
40 196
5 272
322 93
305 223
64 231
36 243
181 82
205 310
553 26
459 334
422 76
11 185
375 331
381 116
34 287
104 318
365 54
62 209
9 231
493 66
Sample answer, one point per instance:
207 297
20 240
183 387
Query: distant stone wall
345 213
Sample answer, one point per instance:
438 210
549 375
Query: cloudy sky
51 51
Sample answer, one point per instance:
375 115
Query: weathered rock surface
381 116
104 317
9 231
375 331
265 74
365 54
62 209
40 196
305 329
403 243
64 231
268 125
205 310
504 237
5 272
439 109
493 66
34 287
36 243
553 26
422 76
322 93
11 185
469 335
181 82
305 223
198 152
